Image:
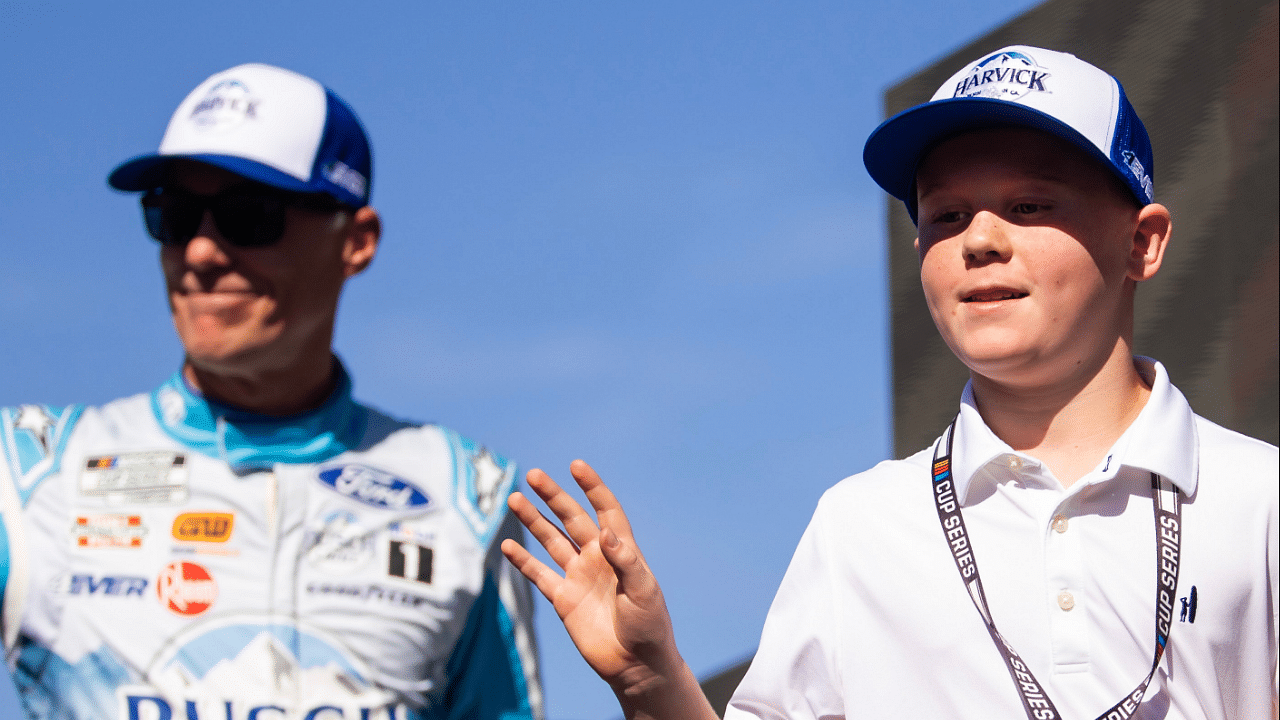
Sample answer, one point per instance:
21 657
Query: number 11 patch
416 558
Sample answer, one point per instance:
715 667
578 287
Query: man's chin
228 358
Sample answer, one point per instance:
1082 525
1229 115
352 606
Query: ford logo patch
374 487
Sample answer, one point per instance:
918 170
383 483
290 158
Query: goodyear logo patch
374 487
214 527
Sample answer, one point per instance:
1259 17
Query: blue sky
639 234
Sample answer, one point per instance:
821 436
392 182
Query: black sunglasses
252 216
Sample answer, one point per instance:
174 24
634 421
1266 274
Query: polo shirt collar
1162 439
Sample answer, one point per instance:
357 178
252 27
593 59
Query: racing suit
167 558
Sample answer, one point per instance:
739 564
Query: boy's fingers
634 578
608 509
558 545
577 523
544 578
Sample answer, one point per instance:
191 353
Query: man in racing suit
247 542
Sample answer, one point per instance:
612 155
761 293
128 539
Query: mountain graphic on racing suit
265 674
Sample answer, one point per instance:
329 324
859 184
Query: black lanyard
1167 502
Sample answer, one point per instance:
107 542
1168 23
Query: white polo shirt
872 619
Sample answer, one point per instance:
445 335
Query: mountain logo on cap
1006 75
226 105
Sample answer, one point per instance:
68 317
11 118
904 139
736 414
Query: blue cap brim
148 173
895 149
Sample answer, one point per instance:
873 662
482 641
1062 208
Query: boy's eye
1028 208
950 216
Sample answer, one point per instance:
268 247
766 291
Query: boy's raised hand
608 599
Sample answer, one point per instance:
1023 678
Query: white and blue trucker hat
1020 86
267 124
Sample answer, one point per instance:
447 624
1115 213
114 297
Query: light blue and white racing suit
165 558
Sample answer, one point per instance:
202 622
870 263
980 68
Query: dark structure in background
1203 76
719 687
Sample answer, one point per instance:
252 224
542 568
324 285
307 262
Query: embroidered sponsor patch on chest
140 478
209 527
375 487
107 530
186 588
98 585
340 544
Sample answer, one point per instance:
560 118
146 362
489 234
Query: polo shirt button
1066 600
1015 462
1060 523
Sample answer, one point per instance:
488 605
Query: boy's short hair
1019 86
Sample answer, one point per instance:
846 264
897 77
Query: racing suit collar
247 441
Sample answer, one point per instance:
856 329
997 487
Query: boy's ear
1150 238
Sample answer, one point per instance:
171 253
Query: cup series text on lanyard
1167 501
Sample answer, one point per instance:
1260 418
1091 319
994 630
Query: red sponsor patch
186 588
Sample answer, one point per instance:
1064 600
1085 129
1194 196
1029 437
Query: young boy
1077 544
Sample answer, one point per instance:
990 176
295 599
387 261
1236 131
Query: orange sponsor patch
203 526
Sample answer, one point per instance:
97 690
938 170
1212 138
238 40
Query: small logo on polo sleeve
1189 603
1004 76
186 588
